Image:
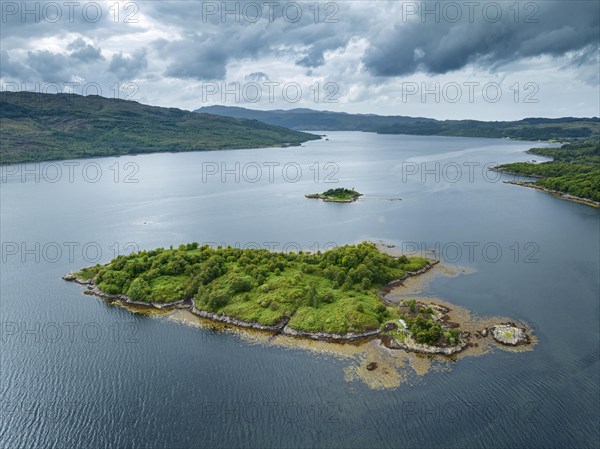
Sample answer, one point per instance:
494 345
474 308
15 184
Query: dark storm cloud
441 46
181 41
209 43
128 67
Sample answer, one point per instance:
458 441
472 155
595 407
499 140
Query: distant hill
566 128
41 127
314 120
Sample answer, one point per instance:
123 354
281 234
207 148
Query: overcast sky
446 60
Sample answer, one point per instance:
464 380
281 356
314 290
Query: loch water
77 372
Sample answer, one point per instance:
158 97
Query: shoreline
556 193
327 199
513 173
100 156
278 328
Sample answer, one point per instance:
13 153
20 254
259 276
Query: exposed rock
371 366
509 334
350 336
386 289
390 327
234 321
412 346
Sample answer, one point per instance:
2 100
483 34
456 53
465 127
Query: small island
339 195
336 295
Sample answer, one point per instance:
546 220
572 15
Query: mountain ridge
532 128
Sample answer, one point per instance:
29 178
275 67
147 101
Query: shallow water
76 372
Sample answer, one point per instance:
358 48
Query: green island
338 294
574 172
333 291
42 127
339 195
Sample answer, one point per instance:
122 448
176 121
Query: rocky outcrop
325 336
94 290
222 318
509 334
408 344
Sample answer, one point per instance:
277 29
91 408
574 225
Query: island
335 295
339 195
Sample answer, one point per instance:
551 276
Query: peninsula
339 195
573 174
336 295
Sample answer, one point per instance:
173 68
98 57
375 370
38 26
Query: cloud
197 57
128 67
205 45
366 52
84 52
420 43
13 69
257 77
50 67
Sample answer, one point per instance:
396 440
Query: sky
497 60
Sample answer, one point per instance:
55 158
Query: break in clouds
368 50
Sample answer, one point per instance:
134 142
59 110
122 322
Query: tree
241 284
139 290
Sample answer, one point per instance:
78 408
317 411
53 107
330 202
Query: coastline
514 173
556 193
327 199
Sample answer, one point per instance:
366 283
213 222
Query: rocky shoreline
513 173
556 193
327 199
411 346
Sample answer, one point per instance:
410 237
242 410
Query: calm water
76 372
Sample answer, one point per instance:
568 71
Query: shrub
241 284
139 290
